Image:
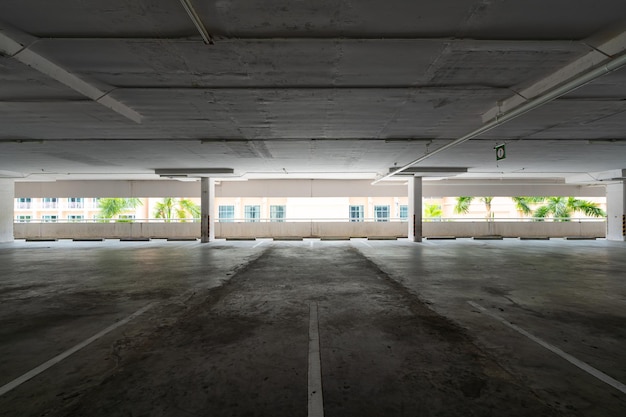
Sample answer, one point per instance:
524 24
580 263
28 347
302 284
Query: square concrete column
616 210
415 209
207 210
7 196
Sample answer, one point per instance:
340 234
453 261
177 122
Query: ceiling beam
17 44
602 50
605 67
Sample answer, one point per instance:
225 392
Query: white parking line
316 400
576 362
259 244
44 366
365 243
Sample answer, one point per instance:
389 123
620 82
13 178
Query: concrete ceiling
102 89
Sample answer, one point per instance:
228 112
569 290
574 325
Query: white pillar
616 210
7 196
415 209
207 210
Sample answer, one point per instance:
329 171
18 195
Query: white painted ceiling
309 89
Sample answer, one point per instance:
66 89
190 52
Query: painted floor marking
311 243
576 362
316 401
44 366
259 244
366 244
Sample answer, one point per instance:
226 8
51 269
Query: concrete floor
226 328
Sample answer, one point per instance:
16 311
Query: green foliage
463 204
562 208
523 204
559 208
111 207
487 201
172 208
432 211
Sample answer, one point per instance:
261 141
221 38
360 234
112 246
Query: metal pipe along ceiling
530 105
195 18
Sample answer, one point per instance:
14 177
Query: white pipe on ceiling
195 18
530 105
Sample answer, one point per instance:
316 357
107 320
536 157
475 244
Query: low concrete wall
311 229
515 229
308 229
106 230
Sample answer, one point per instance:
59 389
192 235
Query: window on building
252 213
75 203
23 219
381 213
277 213
50 203
226 214
404 212
49 218
24 203
95 202
356 213
75 218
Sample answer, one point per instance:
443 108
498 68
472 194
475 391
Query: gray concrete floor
227 329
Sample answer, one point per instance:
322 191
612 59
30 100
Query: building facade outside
257 209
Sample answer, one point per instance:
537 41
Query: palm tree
432 211
463 204
188 206
487 201
523 204
561 208
171 208
111 207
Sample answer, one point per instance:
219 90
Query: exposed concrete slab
565 292
239 345
229 333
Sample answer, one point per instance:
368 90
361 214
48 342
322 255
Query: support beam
415 209
207 209
616 211
611 56
602 48
17 44
7 194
